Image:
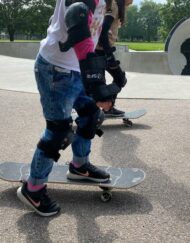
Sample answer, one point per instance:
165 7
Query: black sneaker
39 201
113 112
89 172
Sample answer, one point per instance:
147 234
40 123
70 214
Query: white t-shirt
57 31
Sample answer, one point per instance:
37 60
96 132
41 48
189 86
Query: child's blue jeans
60 90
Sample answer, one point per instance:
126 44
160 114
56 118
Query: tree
12 15
171 13
131 29
142 23
149 19
37 20
17 15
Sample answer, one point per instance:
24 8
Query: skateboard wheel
127 122
106 196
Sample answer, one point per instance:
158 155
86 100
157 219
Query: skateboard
127 117
121 178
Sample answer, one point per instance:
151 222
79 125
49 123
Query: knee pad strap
50 150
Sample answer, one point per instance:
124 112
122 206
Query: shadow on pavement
84 205
158 186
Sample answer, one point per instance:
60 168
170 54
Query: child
113 20
69 75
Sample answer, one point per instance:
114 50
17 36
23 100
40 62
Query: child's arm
77 19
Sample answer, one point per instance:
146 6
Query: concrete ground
155 211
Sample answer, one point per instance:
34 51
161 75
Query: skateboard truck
106 195
127 122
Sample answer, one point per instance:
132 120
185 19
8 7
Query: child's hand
106 105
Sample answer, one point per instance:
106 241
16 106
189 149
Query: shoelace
44 197
93 168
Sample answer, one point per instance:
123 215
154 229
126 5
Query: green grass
20 41
144 46
137 46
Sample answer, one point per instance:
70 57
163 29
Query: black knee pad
88 109
61 139
92 127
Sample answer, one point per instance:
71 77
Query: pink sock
34 188
76 165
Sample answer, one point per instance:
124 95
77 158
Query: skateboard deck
121 178
129 115
126 117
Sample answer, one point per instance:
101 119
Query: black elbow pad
76 20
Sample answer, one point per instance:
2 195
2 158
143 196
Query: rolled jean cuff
35 181
80 160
